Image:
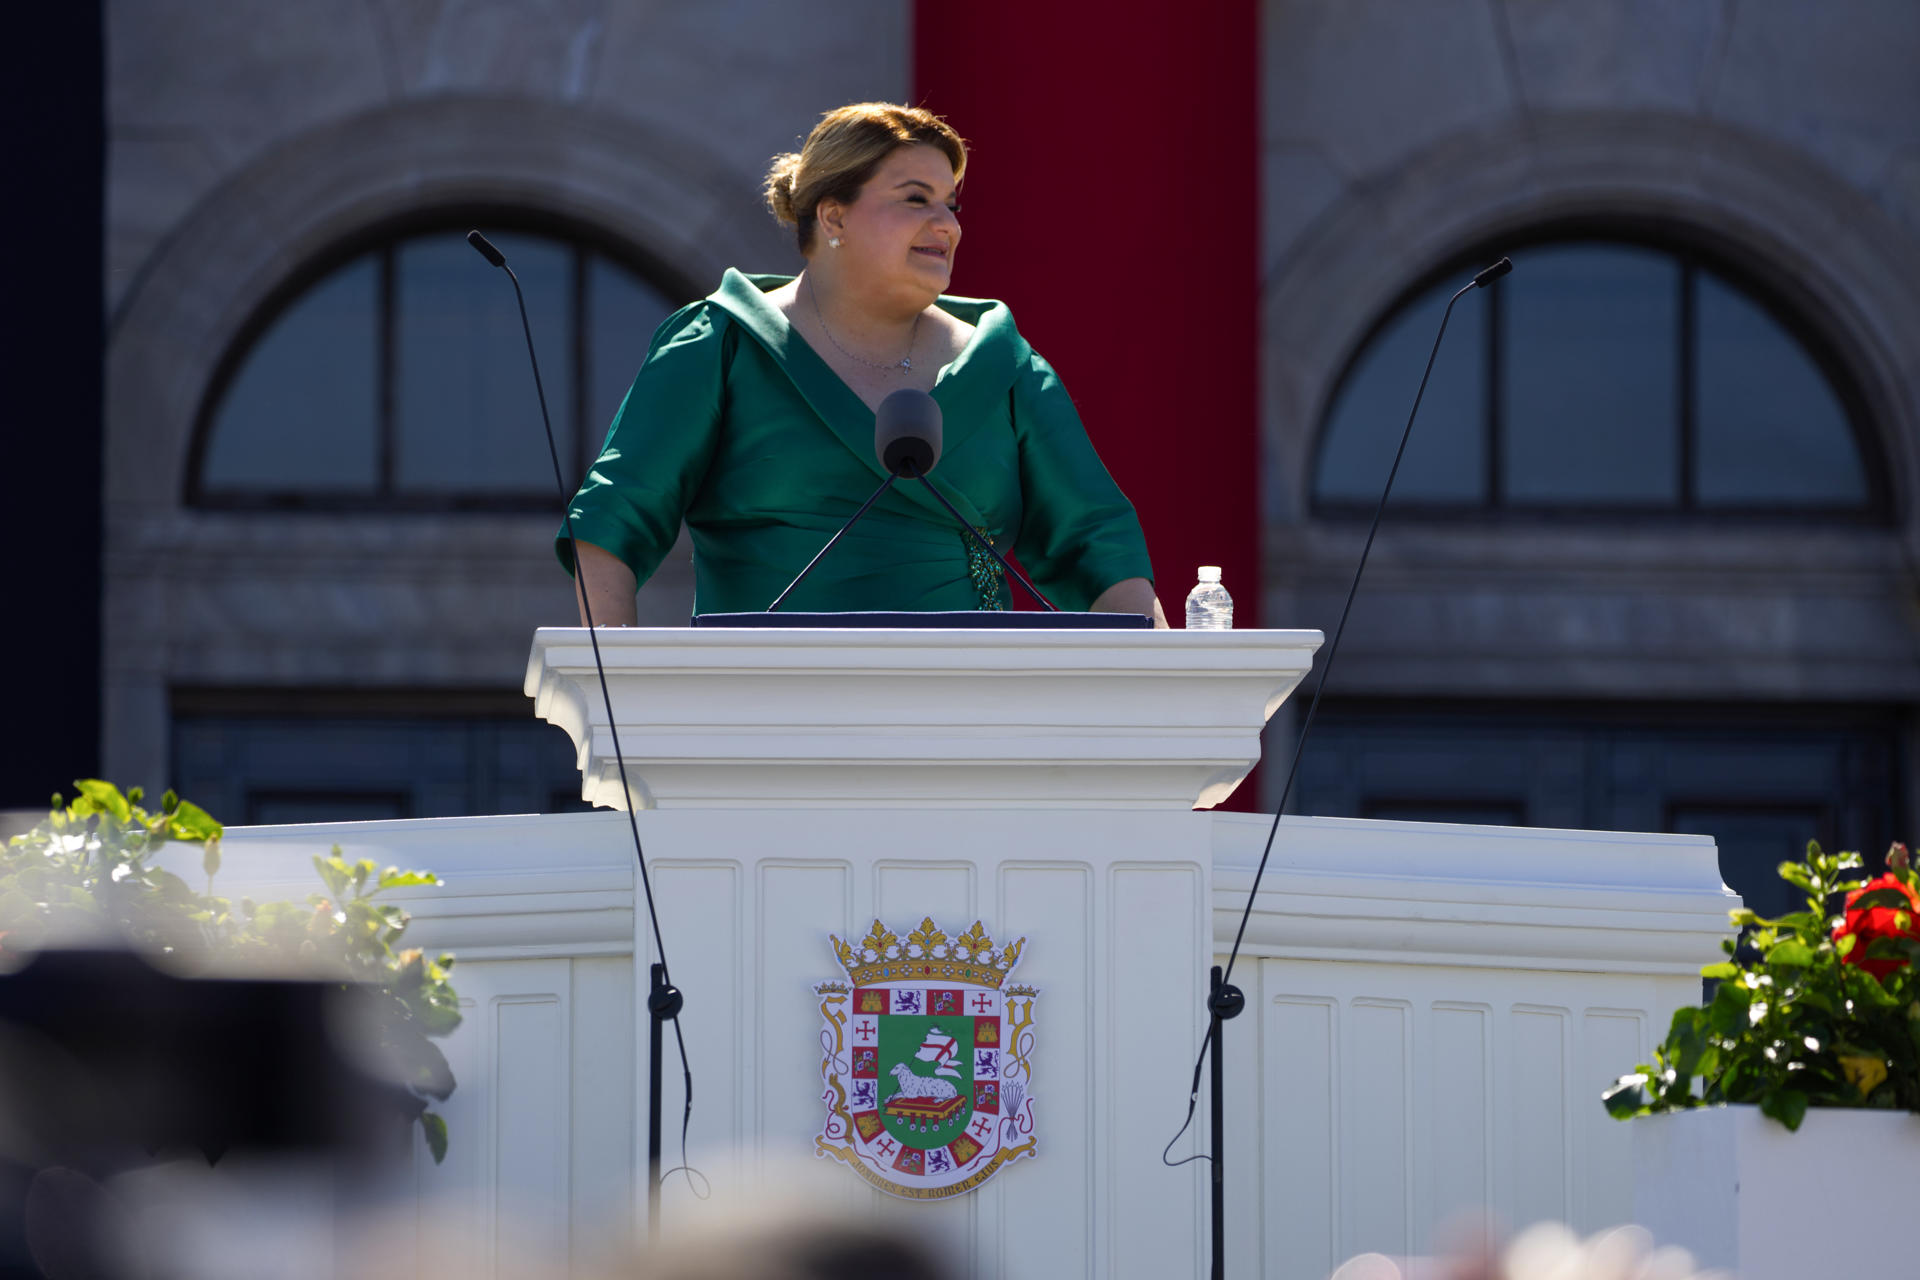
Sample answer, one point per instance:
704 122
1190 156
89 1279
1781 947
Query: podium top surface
1166 646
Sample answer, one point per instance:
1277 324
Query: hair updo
841 154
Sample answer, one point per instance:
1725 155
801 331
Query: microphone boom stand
1224 1000
664 1000
907 468
821 554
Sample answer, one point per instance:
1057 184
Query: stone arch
1826 250
197 294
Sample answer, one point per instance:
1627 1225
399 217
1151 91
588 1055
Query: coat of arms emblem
927 1059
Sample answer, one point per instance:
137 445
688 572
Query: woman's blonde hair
841 154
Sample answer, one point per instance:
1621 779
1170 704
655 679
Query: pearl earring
833 242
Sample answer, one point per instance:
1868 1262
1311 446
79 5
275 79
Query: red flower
1866 924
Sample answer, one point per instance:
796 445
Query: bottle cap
1209 573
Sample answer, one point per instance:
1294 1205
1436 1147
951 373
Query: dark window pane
1446 456
623 312
296 768
1753 843
1761 787
467 419
1771 430
1480 813
267 808
1589 376
303 412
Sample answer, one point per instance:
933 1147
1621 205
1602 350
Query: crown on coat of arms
928 953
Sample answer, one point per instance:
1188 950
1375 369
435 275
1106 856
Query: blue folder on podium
958 620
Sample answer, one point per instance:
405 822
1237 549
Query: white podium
865 719
796 784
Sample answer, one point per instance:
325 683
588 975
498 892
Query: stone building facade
1628 669
245 142
1751 675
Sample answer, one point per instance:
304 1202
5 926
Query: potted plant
1795 1084
90 875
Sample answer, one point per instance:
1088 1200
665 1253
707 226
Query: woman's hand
1131 595
609 587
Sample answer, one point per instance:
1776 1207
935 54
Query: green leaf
435 1129
210 860
188 821
333 872
1797 875
1868 988
1791 952
1721 971
1788 1106
432 1074
394 878
106 798
1627 1098
1886 949
1881 898
1727 1015
439 1014
171 885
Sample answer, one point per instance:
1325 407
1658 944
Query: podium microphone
906 439
664 1000
1224 1000
907 431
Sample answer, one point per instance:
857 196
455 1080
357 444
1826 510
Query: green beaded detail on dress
988 581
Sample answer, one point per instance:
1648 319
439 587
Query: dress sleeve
1078 535
659 448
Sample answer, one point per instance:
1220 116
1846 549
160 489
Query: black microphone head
1488 275
906 432
484 247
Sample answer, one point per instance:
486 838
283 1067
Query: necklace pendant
906 362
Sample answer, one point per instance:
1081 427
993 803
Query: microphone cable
669 997
1480 280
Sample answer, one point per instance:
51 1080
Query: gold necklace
905 362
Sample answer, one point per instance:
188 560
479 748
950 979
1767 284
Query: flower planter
1744 1195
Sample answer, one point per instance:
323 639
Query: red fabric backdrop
1112 200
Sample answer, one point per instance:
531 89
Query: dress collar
967 389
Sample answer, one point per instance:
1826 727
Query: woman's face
901 231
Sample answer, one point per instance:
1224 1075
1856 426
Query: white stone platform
1432 1010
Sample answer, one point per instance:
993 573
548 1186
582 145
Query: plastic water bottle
1209 607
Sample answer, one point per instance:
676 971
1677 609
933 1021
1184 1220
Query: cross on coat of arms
927 1060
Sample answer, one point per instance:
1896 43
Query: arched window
394 376
1601 376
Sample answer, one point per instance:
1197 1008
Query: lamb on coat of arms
913 1086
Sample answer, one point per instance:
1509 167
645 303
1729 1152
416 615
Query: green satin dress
736 426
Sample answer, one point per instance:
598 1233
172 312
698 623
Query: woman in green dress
752 417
